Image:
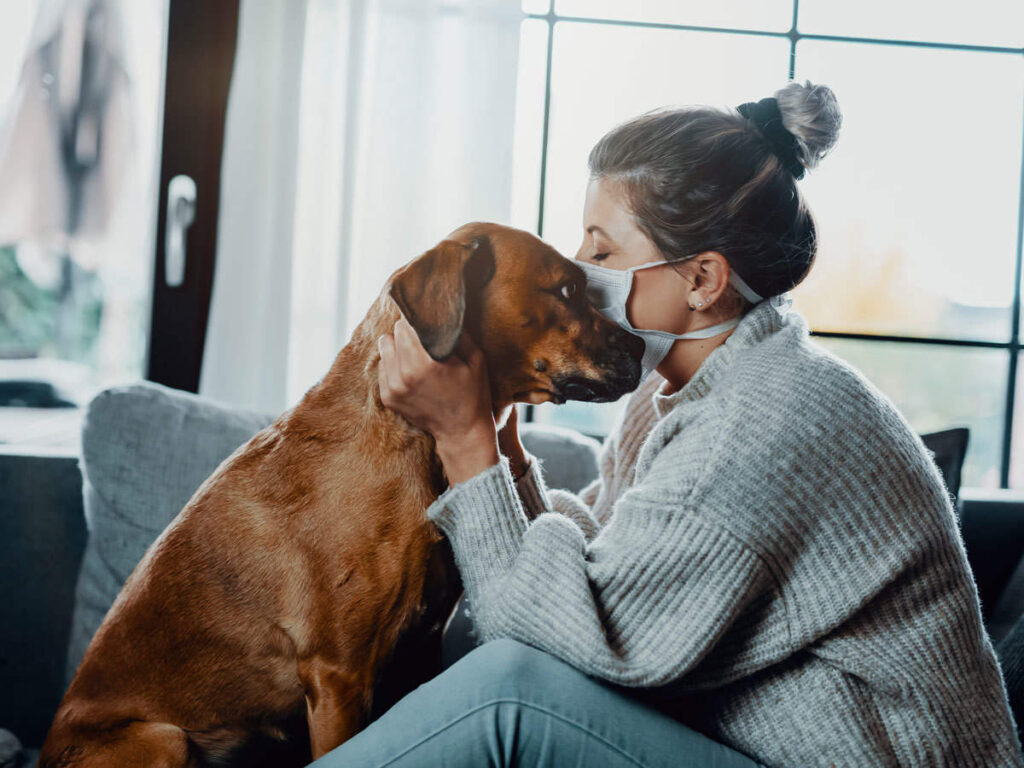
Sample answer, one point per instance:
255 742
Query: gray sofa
73 528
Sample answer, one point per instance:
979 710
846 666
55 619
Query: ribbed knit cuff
532 491
483 519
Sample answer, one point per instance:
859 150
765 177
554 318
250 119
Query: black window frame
1012 347
201 43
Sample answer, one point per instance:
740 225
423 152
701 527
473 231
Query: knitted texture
769 553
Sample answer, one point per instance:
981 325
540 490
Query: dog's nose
623 339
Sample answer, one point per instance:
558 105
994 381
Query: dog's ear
434 291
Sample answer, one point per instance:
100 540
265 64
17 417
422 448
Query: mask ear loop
781 303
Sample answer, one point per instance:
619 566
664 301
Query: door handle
181 212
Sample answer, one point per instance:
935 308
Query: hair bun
766 116
811 114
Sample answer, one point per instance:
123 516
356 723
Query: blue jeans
506 704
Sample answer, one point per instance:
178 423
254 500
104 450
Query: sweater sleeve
640 605
537 498
581 508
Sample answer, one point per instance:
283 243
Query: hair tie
766 116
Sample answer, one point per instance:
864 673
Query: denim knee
507 664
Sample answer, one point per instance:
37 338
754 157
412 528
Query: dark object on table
31 394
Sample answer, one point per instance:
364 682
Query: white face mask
608 290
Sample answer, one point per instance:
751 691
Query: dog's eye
568 290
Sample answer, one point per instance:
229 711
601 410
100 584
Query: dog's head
525 306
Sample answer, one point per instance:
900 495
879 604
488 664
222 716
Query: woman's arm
450 400
591 507
537 499
640 605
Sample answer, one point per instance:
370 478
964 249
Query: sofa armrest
42 537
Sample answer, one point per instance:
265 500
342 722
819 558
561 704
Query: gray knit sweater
773 543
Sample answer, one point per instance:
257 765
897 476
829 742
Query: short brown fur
274 599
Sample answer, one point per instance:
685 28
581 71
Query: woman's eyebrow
594 228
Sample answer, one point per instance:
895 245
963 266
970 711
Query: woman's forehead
606 211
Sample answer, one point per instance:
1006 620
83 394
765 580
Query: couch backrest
147 448
42 536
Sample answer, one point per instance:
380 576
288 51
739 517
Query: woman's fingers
449 399
389 373
415 360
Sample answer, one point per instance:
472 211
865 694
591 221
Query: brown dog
255 627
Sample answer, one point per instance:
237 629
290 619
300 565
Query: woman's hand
451 400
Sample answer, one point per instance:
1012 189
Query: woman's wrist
468 454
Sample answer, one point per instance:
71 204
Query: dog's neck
348 396
365 357
350 390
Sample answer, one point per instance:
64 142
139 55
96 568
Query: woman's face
611 238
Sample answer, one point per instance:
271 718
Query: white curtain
358 135
68 139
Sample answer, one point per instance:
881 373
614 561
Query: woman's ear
433 289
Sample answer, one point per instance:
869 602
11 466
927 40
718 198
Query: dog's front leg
335 703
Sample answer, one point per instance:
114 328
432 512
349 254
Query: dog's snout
579 389
619 338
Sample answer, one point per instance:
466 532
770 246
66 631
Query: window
917 279
74 311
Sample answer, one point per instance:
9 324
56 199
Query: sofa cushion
570 459
146 449
42 538
948 448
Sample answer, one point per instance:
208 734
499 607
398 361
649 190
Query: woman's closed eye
599 256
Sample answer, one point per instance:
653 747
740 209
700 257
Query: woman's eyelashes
600 256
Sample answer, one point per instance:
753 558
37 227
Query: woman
768 570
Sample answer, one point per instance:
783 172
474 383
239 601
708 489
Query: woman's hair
702 178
